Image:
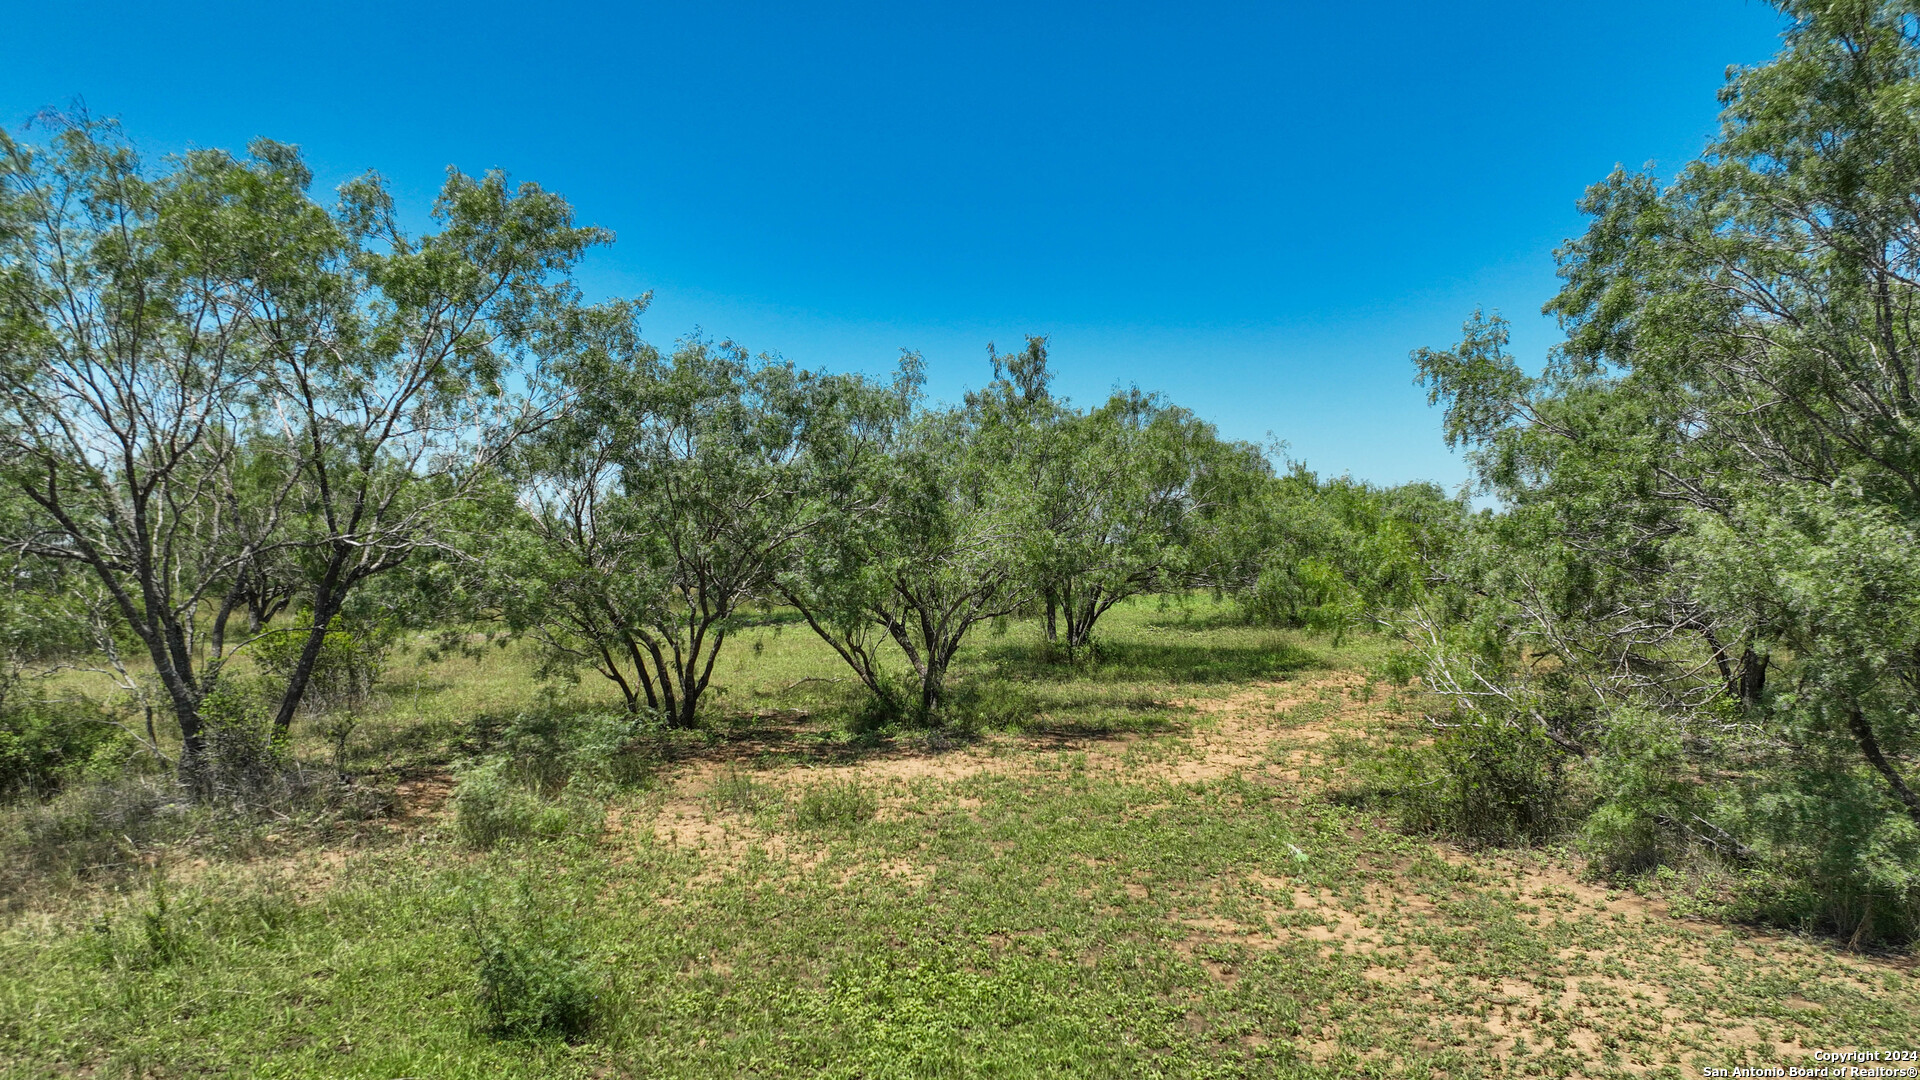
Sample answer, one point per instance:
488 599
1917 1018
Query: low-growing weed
159 928
737 792
835 805
490 807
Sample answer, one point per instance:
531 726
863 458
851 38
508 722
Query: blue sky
1256 209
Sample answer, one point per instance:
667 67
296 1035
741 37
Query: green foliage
1838 858
133 331
1310 594
554 746
1485 781
45 743
247 763
668 501
491 806
1330 556
919 554
835 805
1649 810
1108 503
345 669
532 975
547 773
1000 704
1711 493
160 930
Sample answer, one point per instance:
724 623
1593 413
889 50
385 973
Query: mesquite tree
209 381
920 549
1715 484
666 502
1109 503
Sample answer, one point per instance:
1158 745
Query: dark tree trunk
1753 677
933 686
1870 746
326 606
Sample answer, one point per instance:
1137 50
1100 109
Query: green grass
1138 873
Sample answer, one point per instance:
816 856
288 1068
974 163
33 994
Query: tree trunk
193 739
1753 677
1870 746
933 685
309 659
1080 623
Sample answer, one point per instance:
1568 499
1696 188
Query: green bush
549 769
1486 780
1311 594
490 806
1649 811
552 747
1399 667
983 704
350 661
1840 856
160 930
835 805
533 978
43 744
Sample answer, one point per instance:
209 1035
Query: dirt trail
698 811
1271 727
1234 733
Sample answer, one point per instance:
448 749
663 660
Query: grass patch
834 805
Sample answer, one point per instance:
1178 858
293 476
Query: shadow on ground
1174 662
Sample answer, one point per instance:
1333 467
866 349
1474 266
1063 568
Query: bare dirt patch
1243 732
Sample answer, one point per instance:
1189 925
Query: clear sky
1258 209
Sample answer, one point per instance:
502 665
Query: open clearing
1150 875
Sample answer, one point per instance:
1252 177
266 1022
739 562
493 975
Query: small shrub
1648 809
835 805
44 743
489 807
1486 781
609 751
551 768
871 713
160 931
247 765
552 748
344 673
533 978
1399 668
988 705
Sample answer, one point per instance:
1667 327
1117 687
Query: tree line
236 422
